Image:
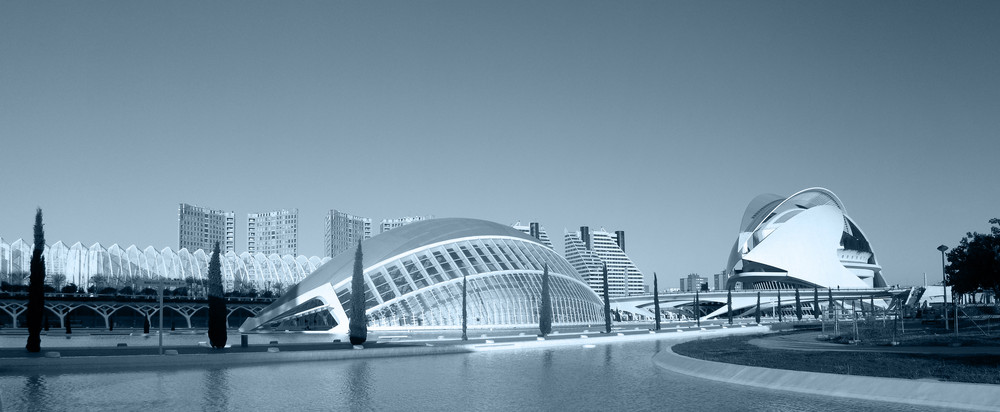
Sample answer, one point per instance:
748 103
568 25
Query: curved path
914 392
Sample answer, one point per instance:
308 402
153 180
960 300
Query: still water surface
607 377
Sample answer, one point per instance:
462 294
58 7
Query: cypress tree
815 303
216 302
729 305
545 312
656 300
465 307
756 315
697 306
607 300
781 317
358 321
798 304
36 291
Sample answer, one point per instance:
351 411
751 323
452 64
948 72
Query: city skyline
661 119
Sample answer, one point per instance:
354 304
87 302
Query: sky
659 118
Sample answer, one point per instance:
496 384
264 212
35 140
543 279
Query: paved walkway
806 341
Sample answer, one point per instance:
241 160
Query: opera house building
804 240
414 275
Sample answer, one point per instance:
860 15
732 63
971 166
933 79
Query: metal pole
161 316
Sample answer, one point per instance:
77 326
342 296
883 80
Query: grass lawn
735 349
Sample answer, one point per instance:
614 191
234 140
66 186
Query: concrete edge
98 364
968 396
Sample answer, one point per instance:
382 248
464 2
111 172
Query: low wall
915 392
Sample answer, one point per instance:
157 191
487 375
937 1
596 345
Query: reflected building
413 276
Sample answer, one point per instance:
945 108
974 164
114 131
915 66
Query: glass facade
424 287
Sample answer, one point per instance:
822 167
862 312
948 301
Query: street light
944 287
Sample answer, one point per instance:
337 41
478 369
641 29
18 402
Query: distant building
273 232
588 251
720 280
343 231
535 230
389 224
693 282
201 227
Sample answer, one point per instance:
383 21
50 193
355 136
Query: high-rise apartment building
693 282
590 251
389 224
343 231
273 232
201 227
534 230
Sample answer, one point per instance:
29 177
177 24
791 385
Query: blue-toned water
606 377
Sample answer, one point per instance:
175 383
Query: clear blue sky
659 118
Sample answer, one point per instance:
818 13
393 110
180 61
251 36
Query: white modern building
589 251
389 224
413 278
201 228
535 230
117 267
804 240
344 230
273 232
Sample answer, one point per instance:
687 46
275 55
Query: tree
36 291
358 319
607 300
778 308
656 300
465 307
70 288
974 265
815 303
57 280
729 305
216 302
756 315
798 304
545 311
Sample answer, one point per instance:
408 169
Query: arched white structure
805 240
414 278
120 268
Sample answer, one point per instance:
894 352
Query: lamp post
944 287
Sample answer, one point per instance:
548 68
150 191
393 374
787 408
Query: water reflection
605 377
217 387
359 386
35 393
